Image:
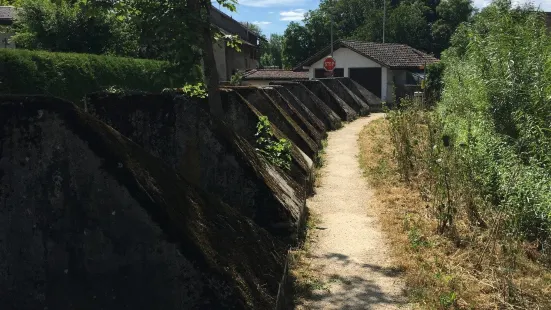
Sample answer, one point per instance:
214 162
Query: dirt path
349 252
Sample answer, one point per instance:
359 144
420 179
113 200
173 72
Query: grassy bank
470 265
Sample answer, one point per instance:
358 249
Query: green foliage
433 82
71 76
195 90
76 26
276 151
272 52
448 300
236 79
486 149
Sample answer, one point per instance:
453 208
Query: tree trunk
212 79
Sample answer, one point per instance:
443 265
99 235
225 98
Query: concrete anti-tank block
302 109
374 102
89 220
276 115
243 117
207 153
320 109
361 107
341 108
294 114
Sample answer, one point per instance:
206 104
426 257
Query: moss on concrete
89 220
329 118
333 101
207 153
355 102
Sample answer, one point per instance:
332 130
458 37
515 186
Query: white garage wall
347 59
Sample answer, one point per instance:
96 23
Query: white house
388 70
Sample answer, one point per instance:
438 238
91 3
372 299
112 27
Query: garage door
370 78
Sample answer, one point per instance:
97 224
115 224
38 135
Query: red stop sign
329 63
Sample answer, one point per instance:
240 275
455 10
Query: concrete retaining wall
276 115
374 102
361 107
302 122
329 118
341 108
243 118
89 220
302 109
208 154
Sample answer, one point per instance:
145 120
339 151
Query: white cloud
293 15
544 5
261 23
271 12
270 3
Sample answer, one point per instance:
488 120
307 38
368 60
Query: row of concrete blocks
147 201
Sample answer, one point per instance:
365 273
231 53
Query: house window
321 73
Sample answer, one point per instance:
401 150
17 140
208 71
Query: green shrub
72 76
276 151
486 149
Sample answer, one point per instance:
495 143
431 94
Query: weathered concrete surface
320 109
341 108
302 109
360 106
89 220
374 102
276 115
242 117
207 153
302 122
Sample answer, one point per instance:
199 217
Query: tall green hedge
72 76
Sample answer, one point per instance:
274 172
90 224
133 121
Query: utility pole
384 19
331 21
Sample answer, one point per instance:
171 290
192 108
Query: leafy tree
272 51
451 14
408 25
295 44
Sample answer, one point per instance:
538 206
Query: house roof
391 55
274 74
7 15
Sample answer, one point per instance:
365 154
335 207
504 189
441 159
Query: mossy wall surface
89 220
331 99
361 107
302 122
207 153
329 118
374 102
243 118
277 116
302 109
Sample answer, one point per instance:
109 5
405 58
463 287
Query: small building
263 77
388 70
228 59
7 17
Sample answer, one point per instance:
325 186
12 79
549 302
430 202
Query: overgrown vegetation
276 151
71 76
469 180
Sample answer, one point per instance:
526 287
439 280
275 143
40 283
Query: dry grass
304 277
473 268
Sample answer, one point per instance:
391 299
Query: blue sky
273 16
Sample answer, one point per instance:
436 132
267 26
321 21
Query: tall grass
485 150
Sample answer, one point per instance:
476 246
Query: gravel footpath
349 254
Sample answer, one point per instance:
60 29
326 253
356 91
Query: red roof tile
274 74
